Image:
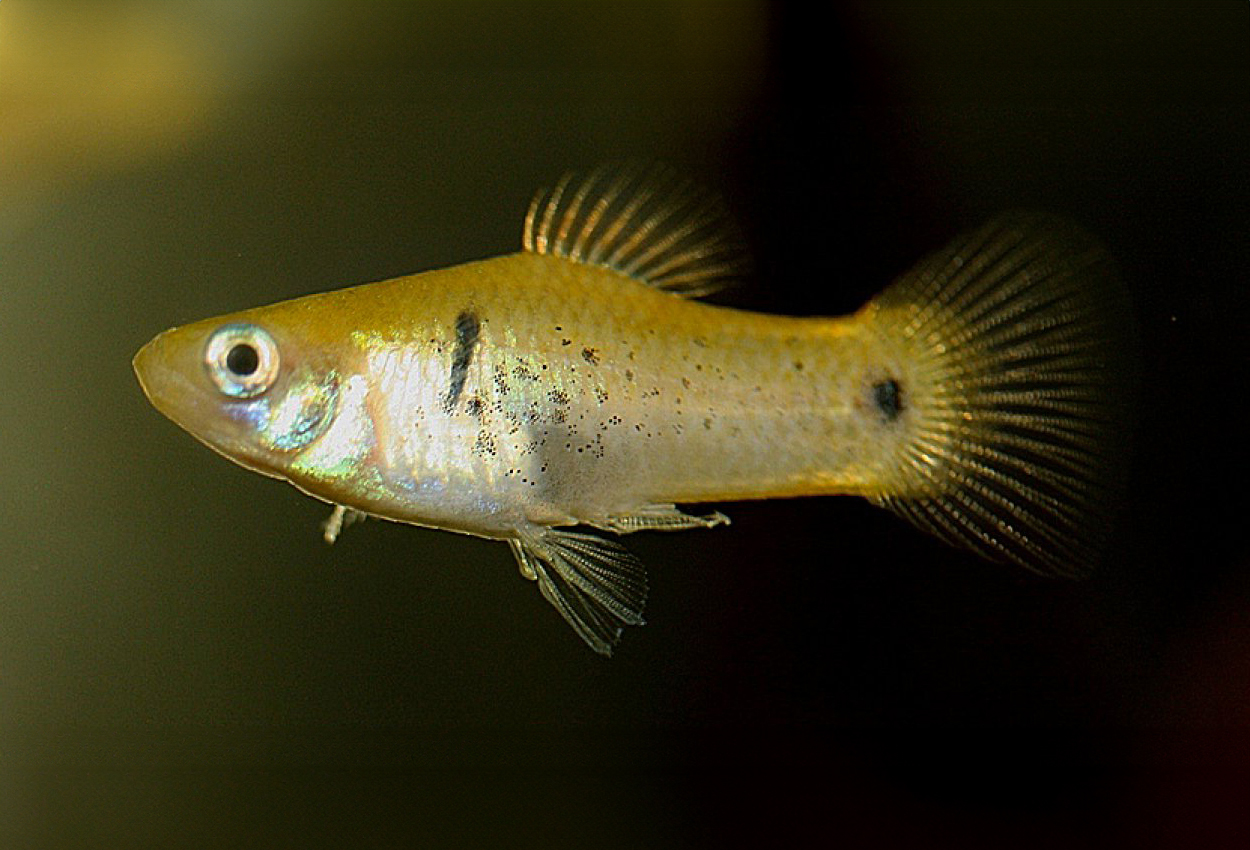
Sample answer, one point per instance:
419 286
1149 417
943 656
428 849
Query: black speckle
798 365
566 342
467 332
591 356
484 445
889 398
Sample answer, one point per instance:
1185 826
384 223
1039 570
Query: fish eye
242 360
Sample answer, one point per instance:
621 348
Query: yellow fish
579 383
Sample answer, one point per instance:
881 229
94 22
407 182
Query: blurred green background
184 662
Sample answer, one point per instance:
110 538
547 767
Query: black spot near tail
888 396
467 331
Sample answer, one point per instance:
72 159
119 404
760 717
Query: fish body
577 383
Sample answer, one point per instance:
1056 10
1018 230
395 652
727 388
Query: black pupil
242 360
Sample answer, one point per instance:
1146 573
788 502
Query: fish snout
168 367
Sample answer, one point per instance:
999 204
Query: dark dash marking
467 330
591 356
889 398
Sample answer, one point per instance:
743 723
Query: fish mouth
144 364
161 381
166 368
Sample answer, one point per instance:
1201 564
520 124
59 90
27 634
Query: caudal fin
1017 336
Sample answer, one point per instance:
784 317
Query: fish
581 387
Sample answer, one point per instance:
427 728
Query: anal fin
595 584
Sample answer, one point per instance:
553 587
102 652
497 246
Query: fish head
252 389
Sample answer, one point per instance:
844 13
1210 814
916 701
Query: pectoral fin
342 517
595 584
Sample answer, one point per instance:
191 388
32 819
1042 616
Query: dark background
183 661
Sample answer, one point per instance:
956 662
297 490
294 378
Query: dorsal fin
647 223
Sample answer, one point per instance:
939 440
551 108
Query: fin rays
645 223
595 584
1018 331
